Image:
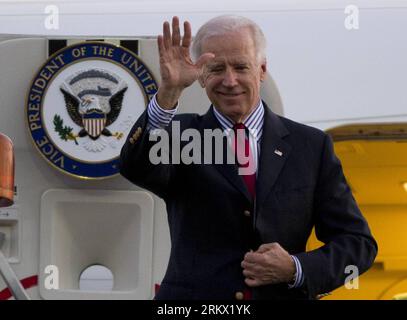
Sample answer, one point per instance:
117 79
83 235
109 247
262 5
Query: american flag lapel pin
278 152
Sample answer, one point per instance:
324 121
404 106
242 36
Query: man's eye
241 67
216 69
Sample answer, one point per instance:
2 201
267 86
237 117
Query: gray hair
226 24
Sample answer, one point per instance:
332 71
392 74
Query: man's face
232 79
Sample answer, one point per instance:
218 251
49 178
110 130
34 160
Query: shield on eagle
94 122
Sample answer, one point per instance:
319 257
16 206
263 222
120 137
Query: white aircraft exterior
335 63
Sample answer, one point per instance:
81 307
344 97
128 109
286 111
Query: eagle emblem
81 104
93 100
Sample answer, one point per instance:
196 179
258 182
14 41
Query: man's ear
263 72
201 80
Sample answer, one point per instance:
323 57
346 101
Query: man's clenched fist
270 264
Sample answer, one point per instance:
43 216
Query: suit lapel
229 171
274 152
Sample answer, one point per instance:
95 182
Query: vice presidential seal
82 104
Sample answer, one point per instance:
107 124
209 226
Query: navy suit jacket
211 229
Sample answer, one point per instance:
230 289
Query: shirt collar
254 122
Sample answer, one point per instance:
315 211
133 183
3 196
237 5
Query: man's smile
229 94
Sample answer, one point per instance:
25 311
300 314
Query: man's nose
229 78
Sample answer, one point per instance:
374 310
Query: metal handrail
10 277
6 199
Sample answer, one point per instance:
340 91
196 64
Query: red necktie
242 145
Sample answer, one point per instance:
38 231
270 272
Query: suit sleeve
135 163
339 224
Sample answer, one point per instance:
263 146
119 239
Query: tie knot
239 126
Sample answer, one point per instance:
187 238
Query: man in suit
241 235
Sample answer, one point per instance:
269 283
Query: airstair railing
6 200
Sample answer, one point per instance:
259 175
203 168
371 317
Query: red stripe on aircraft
27 283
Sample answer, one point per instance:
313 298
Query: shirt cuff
159 118
299 276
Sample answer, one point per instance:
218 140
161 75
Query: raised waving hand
176 66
